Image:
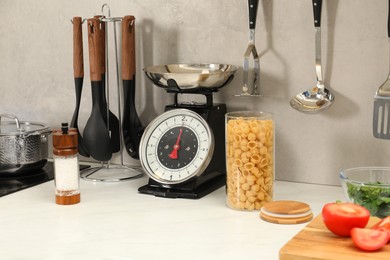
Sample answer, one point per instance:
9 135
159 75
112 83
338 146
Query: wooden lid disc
286 212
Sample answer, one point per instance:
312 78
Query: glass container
250 157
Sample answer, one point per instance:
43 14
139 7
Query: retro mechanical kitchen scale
183 149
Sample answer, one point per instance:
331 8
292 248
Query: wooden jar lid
286 212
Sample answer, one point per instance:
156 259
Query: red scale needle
176 147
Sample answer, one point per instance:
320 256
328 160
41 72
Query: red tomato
369 239
383 225
340 218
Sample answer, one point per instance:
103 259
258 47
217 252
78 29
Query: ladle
319 97
96 134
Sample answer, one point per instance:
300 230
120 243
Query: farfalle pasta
249 159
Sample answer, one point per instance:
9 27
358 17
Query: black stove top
13 184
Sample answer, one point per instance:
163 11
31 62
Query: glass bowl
368 187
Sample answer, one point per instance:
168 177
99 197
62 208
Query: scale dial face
176 146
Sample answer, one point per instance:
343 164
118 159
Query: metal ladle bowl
314 100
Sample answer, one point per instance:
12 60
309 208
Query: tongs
251 49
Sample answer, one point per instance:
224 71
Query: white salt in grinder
66 165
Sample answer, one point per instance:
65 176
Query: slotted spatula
381 119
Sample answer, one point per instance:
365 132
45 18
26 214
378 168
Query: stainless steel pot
23 145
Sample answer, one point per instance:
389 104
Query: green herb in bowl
368 187
375 198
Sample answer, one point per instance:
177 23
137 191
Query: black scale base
214 177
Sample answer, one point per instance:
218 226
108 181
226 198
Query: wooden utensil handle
78 63
102 50
94 31
128 47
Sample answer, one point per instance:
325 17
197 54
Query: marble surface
114 221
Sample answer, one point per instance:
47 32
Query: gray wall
37 76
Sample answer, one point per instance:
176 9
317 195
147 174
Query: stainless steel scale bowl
191 76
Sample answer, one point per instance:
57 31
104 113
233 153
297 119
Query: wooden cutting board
315 241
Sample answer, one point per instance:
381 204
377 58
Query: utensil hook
108 8
82 21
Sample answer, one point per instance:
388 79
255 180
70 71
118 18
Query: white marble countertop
114 221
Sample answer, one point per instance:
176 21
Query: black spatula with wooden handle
78 71
132 126
113 122
96 133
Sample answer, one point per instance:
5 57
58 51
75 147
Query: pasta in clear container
250 168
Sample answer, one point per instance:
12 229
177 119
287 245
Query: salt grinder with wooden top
66 165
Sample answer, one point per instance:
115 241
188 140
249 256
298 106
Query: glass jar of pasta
249 159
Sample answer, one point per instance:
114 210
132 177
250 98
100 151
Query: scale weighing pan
191 77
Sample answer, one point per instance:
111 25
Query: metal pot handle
11 117
45 133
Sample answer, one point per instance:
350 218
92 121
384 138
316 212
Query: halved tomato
369 239
340 217
384 225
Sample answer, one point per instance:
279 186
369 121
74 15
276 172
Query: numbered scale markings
176 146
